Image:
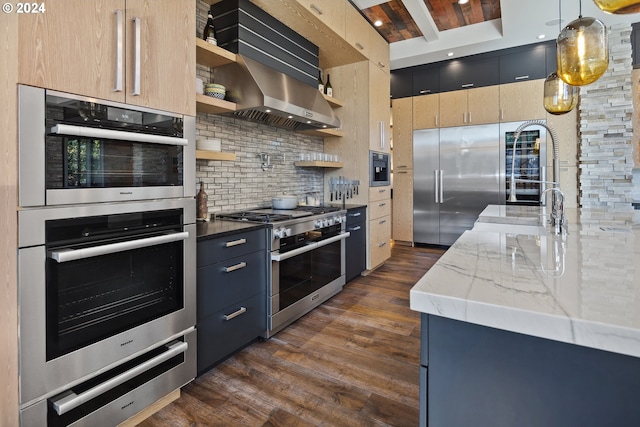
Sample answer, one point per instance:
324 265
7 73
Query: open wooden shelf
334 102
207 104
211 55
319 164
215 155
323 132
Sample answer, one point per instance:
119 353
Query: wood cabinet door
379 242
380 54
379 113
426 111
402 218
72 47
161 64
522 101
330 12
402 133
356 31
483 105
453 108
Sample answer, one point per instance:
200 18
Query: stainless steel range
307 258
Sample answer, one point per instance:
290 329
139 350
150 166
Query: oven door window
75 162
94 298
304 274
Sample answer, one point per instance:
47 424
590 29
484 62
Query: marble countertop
581 288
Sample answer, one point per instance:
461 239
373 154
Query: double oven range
307 247
106 258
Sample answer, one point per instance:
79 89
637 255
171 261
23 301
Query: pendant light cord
580 14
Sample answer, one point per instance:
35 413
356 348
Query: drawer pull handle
382 191
522 77
382 244
382 221
238 266
235 313
467 85
359 46
356 214
423 91
316 8
356 228
403 171
381 204
235 243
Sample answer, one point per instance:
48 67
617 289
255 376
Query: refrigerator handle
437 181
441 187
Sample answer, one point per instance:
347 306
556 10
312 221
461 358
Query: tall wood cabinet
134 51
403 111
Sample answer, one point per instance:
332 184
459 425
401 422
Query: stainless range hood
268 96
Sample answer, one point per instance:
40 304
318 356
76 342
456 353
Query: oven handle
308 247
61 129
66 255
70 400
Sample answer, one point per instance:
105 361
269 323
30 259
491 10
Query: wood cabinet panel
402 110
380 208
522 101
330 12
426 111
379 116
72 47
75 47
483 105
357 30
379 193
380 239
402 218
379 52
453 108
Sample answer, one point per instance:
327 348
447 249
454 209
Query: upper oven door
75 150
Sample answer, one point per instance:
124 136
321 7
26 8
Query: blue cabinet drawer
230 329
231 280
221 248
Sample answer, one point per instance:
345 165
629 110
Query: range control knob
287 232
278 233
317 223
343 218
331 221
325 222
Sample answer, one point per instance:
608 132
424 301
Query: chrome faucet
558 218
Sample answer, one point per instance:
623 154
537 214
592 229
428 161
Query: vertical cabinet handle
464 117
316 8
136 56
381 128
237 313
441 186
119 50
469 116
437 120
501 114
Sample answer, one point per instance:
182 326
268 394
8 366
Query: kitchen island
524 327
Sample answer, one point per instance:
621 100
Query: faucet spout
558 218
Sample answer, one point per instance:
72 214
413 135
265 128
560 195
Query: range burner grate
255 217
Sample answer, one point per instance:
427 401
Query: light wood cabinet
330 12
379 118
379 244
357 30
380 208
426 111
118 50
379 52
377 194
522 101
402 110
470 106
402 224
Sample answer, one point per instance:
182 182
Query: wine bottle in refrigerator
209 32
328 90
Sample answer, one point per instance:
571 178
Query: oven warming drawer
139 391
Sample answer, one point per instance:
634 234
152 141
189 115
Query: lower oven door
87 308
305 277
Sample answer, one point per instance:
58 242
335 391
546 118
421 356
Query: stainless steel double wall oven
106 258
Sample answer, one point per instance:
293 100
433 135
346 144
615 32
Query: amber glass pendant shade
559 97
618 6
583 51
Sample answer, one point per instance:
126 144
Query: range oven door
299 278
74 149
98 285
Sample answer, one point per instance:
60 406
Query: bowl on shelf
215 90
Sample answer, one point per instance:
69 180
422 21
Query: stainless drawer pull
382 191
522 77
423 91
359 46
382 244
402 166
356 228
235 243
316 8
356 214
381 204
235 313
68 400
382 221
403 171
238 266
467 85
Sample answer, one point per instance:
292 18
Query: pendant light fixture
618 6
583 51
559 97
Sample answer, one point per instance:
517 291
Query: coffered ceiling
423 31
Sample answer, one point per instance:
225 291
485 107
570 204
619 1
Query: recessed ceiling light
541 36
463 1
450 54
378 23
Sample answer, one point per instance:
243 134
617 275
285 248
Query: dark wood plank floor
351 362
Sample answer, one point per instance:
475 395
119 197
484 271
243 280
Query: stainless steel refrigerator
456 175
